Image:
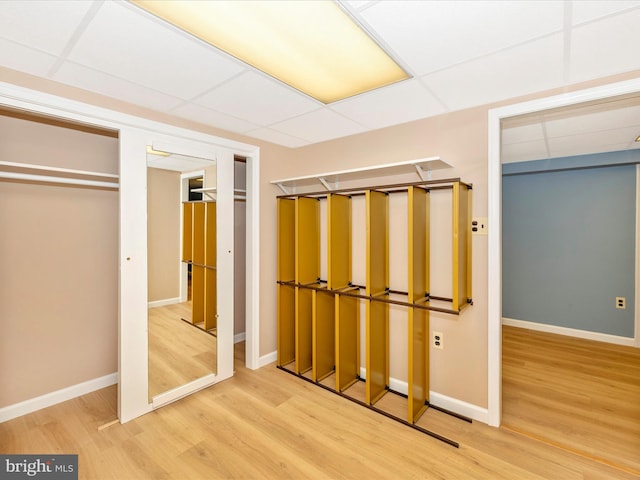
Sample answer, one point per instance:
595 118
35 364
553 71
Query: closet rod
49 179
29 166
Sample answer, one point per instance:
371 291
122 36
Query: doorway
512 337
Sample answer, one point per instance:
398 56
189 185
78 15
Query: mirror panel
182 292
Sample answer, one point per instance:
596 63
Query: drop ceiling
460 54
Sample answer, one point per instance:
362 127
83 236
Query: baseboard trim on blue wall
570 332
47 400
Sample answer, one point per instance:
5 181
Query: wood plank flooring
267 424
580 394
178 352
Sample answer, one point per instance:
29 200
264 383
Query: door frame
494 277
133 137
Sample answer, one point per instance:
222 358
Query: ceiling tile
255 98
130 44
602 141
524 151
525 69
25 59
104 84
279 138
524 133
433 35
43 25
585 11
399 103
594 121
215 119
612 41
318 126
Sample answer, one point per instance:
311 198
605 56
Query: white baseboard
239 337
49 399
448 403
267 359
571 332
162 303
470 410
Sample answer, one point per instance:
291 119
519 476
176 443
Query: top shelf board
422 167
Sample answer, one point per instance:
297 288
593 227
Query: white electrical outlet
436 340
621 302
479 225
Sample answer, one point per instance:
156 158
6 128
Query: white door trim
495 224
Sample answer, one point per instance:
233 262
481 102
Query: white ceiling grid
460 53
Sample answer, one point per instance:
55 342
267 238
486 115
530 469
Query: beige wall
58 264
163 233
460 138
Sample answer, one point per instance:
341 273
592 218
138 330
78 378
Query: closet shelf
238 193
39 177
330 181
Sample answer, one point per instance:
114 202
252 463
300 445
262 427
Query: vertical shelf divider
377 321
286 273
197 268
307 270
418 268
187 227
210 258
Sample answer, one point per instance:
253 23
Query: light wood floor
580 394
267 424
178 352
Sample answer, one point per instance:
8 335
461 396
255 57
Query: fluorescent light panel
313 46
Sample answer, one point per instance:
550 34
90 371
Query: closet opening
59 217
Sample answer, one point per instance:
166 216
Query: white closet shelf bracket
283 188
421 173
325 184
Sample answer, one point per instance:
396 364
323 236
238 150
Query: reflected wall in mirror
181 271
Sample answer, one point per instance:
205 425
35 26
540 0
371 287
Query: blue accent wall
569 247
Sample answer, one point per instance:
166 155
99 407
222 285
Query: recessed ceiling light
312 46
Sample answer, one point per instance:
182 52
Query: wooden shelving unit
319 320
199 251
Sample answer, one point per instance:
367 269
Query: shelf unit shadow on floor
319 320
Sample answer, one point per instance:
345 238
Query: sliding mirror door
184 247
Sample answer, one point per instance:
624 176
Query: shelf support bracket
325 184
283 188
424 176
